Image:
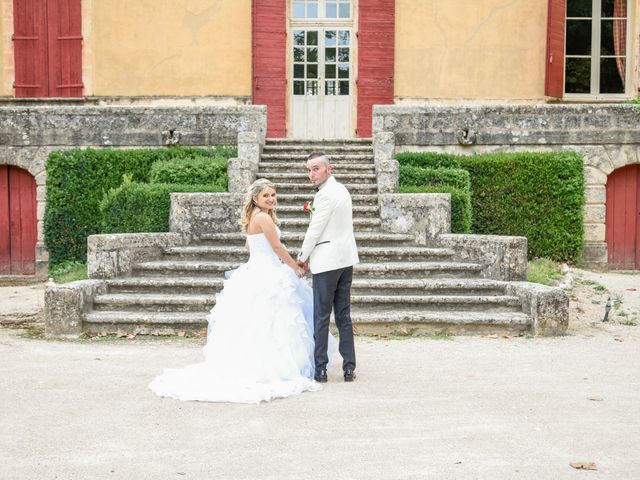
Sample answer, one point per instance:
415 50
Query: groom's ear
329 169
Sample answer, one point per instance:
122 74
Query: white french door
321 74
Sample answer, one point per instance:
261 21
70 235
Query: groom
329 251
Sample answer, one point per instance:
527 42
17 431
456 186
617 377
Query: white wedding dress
260 339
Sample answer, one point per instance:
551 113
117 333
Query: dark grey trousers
332 290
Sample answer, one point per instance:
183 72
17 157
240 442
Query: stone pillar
387 167
242 171
65 306
424 215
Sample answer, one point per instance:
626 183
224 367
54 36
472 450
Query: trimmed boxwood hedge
78 179
460 204
186 171
142 207
419 176
537 195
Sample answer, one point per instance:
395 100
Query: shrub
78 179
460 204
537 195
186 171
142 207
428 160
418 176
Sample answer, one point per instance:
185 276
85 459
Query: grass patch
543 271
68 271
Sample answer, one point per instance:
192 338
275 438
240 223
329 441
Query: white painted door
321 82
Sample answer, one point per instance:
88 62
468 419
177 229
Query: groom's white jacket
329 243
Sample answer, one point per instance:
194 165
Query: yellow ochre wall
470 49
168 47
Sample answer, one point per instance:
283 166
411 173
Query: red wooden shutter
554 81
5 239
270 62
65 48
376 49
30 48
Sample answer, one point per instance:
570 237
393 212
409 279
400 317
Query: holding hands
303 268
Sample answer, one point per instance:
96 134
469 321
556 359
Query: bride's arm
269 229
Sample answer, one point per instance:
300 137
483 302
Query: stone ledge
66 305
194 214
548 307
502 257
424 215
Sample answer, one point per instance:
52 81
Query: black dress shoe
349 375
321 376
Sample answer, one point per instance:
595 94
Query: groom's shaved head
319 155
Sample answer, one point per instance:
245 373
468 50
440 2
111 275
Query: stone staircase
399 286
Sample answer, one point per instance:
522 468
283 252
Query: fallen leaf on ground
102 334
595 399
404 331
181 333
493 335
131 335
631 289
504 335
121 333
584 465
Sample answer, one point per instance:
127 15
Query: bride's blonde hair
254 191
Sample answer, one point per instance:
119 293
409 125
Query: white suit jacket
329 243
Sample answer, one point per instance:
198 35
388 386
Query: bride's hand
300 272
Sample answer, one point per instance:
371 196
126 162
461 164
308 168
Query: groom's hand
303 265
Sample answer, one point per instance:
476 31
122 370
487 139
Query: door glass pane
312 70
330 87
330 38
298 37
331 10
612 72
329 71
578 37
579 8
578 75
312 37
344 88
345 10
298 71
344 37
343 54
312 87
298 87
343 70
312 54
330 54
298 9
298 54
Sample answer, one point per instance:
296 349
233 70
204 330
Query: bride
260 340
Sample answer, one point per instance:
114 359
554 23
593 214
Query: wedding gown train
260 339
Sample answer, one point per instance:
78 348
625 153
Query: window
596 48
322 9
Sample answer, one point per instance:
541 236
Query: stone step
153 302
187 268
429 303
399 322
329 148
239 253
363 239
462 286
286 187
408 270
411 322
170 285
302 223
301 178
144 323
266 168
359 211
338 159
299 198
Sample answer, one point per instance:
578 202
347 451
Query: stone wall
607 135
29 133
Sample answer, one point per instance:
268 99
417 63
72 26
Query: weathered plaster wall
166 47
470 49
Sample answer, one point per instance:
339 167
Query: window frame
595 56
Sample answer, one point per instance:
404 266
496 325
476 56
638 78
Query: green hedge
460 204
418 176
537 195
187 171
78 179
428 160
142 207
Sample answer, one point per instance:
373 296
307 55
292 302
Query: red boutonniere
308 207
